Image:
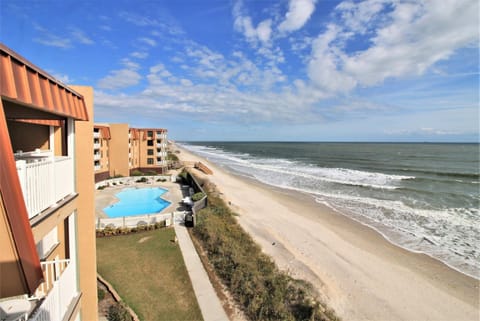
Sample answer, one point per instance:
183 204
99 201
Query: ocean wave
276 166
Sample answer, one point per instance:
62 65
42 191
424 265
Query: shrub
102 187
136 173
172 157
184 177
142 180
118 176
100 294
161 180
197 196
260 288
118 312
160 224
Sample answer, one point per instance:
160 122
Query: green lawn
148 272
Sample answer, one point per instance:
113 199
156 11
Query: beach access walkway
208 301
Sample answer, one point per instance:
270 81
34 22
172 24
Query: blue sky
374 70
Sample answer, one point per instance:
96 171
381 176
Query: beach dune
357 272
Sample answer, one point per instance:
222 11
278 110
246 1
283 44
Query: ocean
422 197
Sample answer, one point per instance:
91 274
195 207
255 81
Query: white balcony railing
96 145
97 156
59 289
96 134
45 181
98 167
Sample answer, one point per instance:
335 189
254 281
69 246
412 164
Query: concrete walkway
208 301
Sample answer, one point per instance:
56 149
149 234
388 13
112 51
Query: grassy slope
263 292
150 275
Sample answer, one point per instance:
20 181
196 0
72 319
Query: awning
24 83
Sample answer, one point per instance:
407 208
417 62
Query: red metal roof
104 131
22 82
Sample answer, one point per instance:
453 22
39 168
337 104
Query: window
149 142
150 161
150 152
150 133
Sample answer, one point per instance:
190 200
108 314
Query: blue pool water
138 201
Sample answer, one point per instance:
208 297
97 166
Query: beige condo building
47 235
121 150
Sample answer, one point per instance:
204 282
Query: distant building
120 150
47 239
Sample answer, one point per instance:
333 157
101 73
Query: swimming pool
138 201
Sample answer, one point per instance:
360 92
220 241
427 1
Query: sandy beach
358 273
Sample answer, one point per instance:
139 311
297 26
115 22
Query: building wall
37 137
86 250
118 150
11 281
151 144
104 152
133 148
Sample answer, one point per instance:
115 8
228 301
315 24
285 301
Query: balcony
96 145
97 167
97 156
45 179
96 134
58 291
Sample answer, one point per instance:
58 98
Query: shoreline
361 274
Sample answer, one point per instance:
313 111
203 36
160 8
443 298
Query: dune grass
148 272
257 285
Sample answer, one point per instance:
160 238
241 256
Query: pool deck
106 197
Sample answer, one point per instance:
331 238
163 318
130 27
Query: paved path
208 301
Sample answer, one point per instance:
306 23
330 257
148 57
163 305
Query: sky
285 70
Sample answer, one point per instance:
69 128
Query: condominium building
121 150
47 235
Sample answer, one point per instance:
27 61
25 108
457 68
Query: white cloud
322 68
120 79
138 20
62 77
411 38
359 16
262 32
244 25
139 54
81 37
299 11
54 41
148 41
49 39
